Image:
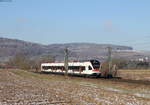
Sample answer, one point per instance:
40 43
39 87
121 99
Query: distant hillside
88 50
11 47
78 51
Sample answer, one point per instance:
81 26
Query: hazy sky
123 22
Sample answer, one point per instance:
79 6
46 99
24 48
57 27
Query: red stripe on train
96 70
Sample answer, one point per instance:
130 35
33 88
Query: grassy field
135 74
27 88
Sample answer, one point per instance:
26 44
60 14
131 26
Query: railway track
114 79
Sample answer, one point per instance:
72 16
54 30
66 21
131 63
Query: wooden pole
66 61
110 60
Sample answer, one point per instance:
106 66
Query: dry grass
26 88
135 74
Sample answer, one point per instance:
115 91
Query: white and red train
83 68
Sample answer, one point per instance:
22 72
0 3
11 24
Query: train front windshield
95 64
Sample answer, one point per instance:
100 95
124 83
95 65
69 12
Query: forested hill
77 51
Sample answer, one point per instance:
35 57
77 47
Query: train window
56 67
53 68
46 67
90 68
59 67
49 67
76 68
82 67
95 64
62 67
70 67
43 67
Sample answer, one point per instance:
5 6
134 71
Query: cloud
22 20
1 33
110 27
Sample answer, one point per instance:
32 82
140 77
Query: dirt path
25 88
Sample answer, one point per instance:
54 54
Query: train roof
80 61
75 63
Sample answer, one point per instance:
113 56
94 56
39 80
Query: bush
20 61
